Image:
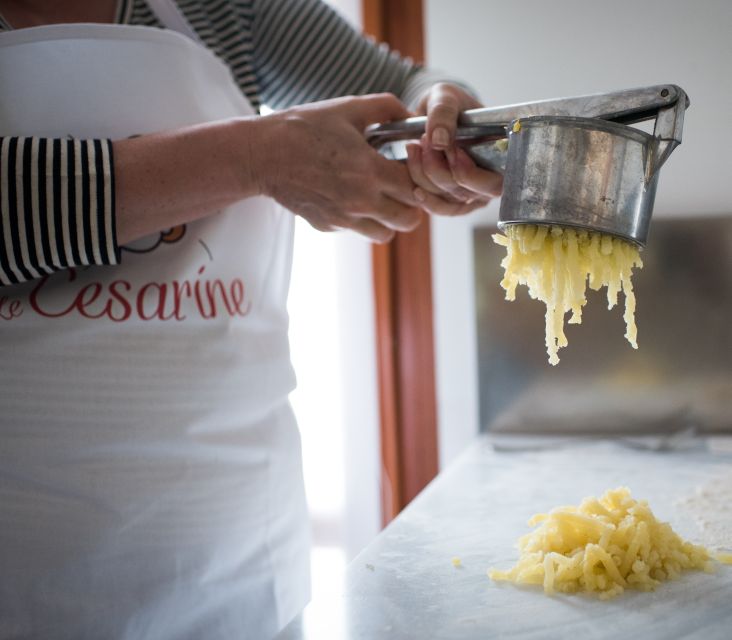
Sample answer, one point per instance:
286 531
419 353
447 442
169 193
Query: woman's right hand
315 161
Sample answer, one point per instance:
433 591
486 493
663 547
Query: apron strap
169 13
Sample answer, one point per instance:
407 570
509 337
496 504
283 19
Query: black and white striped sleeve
57 206
306 51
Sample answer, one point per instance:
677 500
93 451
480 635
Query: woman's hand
315 161
448 181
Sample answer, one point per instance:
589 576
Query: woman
150 465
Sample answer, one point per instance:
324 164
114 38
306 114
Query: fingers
397 216
373 230
394 180
434 204
416 169
449 181
459 181
380 224
379 107
472 178
391 217
342 182
450 188
417 172
444 105
436 168
442 115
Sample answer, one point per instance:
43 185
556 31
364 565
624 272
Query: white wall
514 52
350 9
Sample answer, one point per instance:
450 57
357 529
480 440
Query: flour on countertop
711 508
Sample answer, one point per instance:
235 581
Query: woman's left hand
448 181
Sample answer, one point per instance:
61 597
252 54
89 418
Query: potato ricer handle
413 128
668 129
481 126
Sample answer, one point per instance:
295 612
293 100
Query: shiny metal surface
680 376
404 586
573 161
580 172
627 106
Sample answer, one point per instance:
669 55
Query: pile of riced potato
603 547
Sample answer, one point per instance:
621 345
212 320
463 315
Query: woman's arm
69 205
305 51
57 206
176 177
312 159
172 178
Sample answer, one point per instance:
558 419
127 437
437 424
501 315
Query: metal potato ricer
568 161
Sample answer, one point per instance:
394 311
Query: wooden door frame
402 277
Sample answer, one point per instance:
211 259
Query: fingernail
440 137
420 195
451 158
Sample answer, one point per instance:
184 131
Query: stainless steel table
404 584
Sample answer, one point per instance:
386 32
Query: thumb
443 110
379 107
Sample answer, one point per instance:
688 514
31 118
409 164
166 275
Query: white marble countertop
404 585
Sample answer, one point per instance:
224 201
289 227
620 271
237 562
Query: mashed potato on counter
558 263
603 547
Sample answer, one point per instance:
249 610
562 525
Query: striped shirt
57 196
57 202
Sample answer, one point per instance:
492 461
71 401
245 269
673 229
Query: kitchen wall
513 52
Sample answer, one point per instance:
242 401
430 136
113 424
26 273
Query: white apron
150 473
